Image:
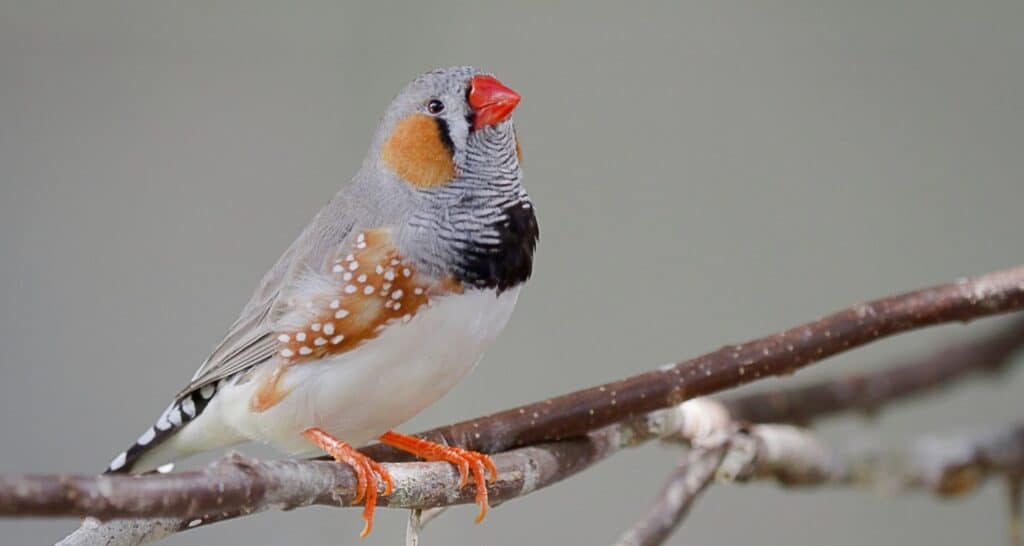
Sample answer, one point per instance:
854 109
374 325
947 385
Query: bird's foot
366 469
468 462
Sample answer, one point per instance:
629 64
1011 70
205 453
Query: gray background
703 174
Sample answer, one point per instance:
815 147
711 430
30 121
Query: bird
382 304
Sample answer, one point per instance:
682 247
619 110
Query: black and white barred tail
174 418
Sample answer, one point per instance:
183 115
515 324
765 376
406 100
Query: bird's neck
480 228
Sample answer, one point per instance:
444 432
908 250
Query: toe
371 500
491 468
366 471
481 487
362 480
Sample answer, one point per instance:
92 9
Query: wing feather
250 340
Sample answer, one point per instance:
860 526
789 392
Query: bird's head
444 171
446 123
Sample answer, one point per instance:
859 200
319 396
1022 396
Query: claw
463 466
366 470
467 462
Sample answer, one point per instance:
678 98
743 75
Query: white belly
358 395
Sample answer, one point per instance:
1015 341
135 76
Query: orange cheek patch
417 153
376 289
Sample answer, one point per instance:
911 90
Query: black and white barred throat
484 223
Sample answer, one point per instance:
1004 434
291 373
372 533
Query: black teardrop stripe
509 262
446 135
175 417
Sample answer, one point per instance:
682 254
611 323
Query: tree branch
866 392
571 425
783 353
694 473
794 457
236 486
945 466
870 391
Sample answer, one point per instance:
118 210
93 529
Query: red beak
491 101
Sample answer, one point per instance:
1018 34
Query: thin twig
722 449
418 520
694 473
413 528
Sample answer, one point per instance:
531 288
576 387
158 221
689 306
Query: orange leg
365 468
466 461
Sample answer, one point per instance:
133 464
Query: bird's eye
435 106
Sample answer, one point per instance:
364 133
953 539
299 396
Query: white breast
360 394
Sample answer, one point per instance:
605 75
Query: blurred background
703 172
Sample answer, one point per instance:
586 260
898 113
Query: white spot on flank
287 353
397 295
305 350
361 245
316 327
406 271
350 288
284 338
398 306
353 266
394 261
335 304
342 313
337 339
329 328
350 258
346 277
368 289
146 437
361 278
118 461
417 291
389 275
301 336
361 237
379 269
319 341
406 318
337 268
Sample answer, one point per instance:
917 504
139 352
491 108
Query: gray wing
251 339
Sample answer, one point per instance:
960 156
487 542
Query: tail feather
151 449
